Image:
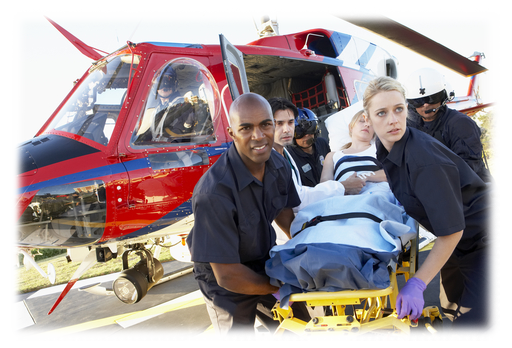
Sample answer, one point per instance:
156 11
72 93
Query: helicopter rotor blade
87 50
418 43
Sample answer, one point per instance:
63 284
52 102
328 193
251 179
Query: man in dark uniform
309 150
234 204
427 97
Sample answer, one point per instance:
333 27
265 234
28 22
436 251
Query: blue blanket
344 253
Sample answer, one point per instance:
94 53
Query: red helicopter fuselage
115 166
93 175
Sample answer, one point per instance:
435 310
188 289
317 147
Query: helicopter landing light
130 287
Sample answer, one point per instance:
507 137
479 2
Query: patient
344 242
358 157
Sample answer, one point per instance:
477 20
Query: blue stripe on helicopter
366 56
85 175
111 169
340 41
175 44
169 219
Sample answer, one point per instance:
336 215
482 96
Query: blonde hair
351 125
380 84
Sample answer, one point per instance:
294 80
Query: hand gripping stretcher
360 314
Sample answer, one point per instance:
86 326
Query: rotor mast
267 27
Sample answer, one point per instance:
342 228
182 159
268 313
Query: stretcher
358 311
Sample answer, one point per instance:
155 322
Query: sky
43 64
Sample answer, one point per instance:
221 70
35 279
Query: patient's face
362 130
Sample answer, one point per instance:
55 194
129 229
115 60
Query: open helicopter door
234 67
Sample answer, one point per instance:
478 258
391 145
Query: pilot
427 97
172 116
234 204
173 113
308 149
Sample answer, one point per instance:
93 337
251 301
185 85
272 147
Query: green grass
30 280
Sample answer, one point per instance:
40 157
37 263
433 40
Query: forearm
326 175
380 176
328 168
284 220
241 279
441 251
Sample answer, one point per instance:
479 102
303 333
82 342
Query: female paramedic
440 191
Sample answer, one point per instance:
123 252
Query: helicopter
114 167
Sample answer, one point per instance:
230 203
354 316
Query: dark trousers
464 286
233 315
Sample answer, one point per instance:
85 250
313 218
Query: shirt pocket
413 207
252 219
249 227
252 236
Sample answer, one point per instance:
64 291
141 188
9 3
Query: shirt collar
302 153
242 174
397 151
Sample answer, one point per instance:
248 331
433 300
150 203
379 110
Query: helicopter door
234 67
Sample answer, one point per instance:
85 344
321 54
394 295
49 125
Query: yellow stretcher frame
377 312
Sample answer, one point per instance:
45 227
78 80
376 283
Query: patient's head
359 130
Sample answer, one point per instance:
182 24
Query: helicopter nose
27 163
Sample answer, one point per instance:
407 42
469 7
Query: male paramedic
234 204
427 96
308 149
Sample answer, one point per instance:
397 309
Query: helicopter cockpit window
92 110
182 106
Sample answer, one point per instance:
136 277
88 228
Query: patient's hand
353 185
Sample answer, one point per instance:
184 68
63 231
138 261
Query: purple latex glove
277 295
410 299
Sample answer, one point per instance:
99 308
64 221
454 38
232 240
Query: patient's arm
353 184
380 176
328 168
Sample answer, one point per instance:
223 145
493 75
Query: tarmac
173 307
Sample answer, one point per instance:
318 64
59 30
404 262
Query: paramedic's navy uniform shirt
310 166
234 212
436 187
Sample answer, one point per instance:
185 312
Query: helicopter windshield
182 106
92 110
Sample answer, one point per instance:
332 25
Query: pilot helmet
167 79
306 122
425 86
